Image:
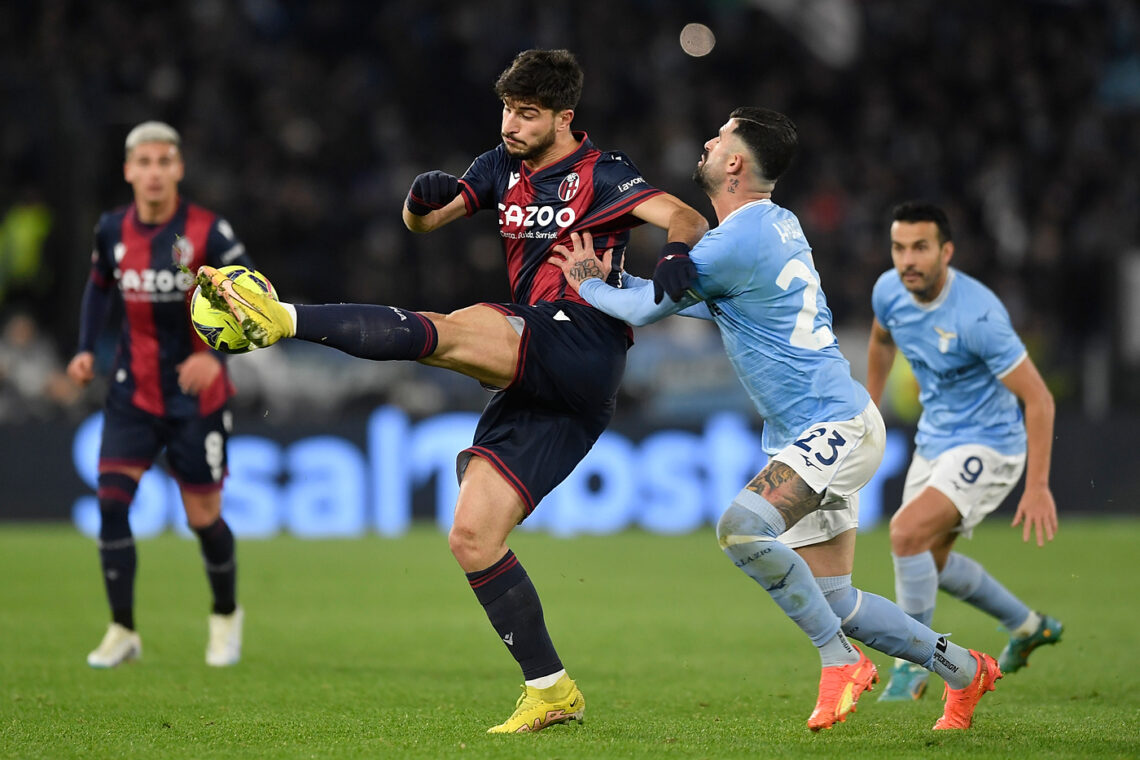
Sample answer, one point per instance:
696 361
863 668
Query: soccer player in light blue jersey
792 528
973 441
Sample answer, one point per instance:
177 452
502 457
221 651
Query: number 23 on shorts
822 443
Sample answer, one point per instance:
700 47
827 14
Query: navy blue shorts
195 446
537 430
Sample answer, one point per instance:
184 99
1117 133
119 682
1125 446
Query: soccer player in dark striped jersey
554 361
168 390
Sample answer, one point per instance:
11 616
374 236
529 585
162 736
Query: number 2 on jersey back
803 335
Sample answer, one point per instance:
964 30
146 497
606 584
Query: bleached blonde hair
152 131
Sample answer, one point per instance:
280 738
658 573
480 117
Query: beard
701 177
533 150
923 289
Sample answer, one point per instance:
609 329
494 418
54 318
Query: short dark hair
549 78
923 211
770 135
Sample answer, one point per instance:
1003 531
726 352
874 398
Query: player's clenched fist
430 191
674 274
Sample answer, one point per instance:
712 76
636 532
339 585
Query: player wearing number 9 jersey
972 440
792 529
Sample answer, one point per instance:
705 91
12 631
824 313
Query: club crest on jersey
944 339
183 251
119 251
512 180
569 187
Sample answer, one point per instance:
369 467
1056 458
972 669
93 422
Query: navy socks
117 553
217 542
367 331
512 605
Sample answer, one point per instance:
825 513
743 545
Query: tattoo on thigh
786 492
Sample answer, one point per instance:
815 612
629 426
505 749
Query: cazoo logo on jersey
151 282
530 216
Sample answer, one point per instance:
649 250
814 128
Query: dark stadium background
305 122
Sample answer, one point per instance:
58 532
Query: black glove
430 191
675 272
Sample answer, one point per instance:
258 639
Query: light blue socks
747 532
916 585
967 580
880 624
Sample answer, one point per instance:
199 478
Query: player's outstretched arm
586 273
682 223
1036 512
880 357
433 201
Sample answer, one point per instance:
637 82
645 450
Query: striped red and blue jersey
141 260
588 190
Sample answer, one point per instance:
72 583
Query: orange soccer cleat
839 690
960 703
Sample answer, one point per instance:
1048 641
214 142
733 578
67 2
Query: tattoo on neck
732 185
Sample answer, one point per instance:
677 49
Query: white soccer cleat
224 648
119 645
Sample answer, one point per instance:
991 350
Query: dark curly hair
549 78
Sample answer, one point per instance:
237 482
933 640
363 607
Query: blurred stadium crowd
305 122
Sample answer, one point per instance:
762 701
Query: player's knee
468 547
459 541
906 539
202 509
738 522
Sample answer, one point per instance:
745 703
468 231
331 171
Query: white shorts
835 459
976 479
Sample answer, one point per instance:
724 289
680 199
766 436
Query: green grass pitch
376 648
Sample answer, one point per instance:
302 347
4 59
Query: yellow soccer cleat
263 320
839 690
538 708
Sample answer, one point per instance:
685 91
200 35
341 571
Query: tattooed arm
586 273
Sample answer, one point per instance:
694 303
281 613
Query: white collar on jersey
736 211
950 274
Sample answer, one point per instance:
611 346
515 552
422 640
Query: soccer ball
218 329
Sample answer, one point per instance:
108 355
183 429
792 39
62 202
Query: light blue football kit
772 315
971 440
756 279
960 346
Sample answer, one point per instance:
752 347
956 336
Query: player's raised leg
477 341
